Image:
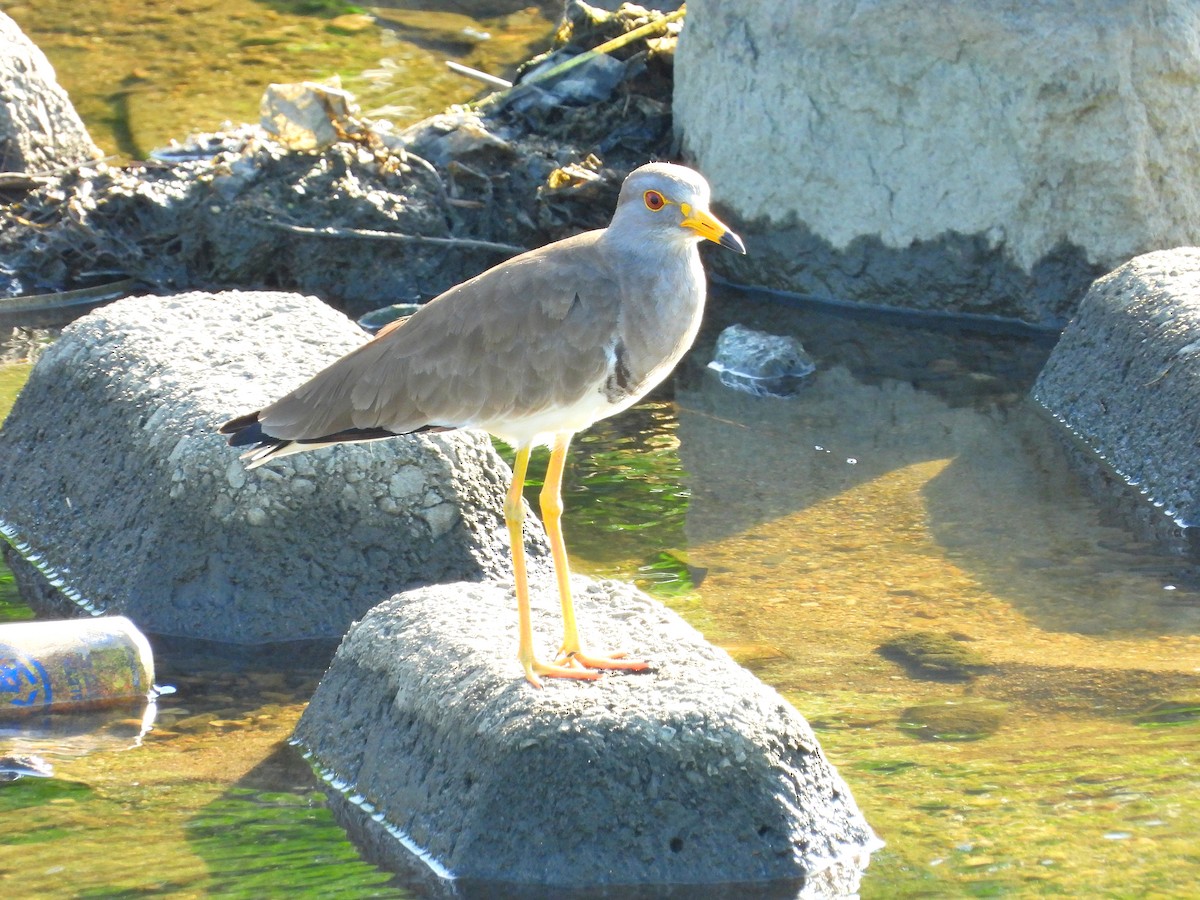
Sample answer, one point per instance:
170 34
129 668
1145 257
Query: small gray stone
408 482
760 363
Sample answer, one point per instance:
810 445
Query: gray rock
992 157
119 492
39 128
692 773
460 134
760 363
1123 377
591 81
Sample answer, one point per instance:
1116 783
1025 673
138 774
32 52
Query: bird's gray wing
530 334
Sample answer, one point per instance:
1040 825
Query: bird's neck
656 331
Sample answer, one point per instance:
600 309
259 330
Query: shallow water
909 486
141 72
801 534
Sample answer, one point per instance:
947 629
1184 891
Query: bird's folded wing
532 334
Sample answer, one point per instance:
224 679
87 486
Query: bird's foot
533 669
580 661
580 666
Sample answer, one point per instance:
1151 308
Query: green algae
12 377
1089 788
1170 712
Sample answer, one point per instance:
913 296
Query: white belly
540 427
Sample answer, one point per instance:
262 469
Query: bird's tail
246 431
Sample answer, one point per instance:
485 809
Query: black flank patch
619 383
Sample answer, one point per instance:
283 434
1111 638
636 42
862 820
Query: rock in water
119 494
760 363
39 128
1123 378
692 773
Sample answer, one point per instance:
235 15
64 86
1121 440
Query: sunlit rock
986 157
118 495
39 128
306 115
694 772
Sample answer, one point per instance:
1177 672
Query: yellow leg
514 518
552 507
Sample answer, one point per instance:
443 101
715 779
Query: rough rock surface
986 157
113 476
39 128
1126 377
695 772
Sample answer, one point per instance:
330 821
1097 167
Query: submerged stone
760 363
694 772
968 719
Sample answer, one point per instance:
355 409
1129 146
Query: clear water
141 72
909 486
801 534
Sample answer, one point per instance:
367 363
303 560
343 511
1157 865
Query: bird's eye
654 200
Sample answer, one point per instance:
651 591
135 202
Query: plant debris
364 215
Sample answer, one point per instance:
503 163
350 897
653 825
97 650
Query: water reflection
56 736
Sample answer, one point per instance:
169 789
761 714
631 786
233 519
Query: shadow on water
1004 499
1066 558
272 834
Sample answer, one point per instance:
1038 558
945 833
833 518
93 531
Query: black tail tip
243 430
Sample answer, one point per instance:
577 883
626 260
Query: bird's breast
655 332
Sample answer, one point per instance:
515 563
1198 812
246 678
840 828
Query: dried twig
370 234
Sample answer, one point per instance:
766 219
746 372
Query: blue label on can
23 681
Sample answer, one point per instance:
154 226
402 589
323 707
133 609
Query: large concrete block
982 157
1125 378
115 487
692 773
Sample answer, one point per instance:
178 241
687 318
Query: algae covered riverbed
143 73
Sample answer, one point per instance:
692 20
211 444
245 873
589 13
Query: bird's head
662 201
